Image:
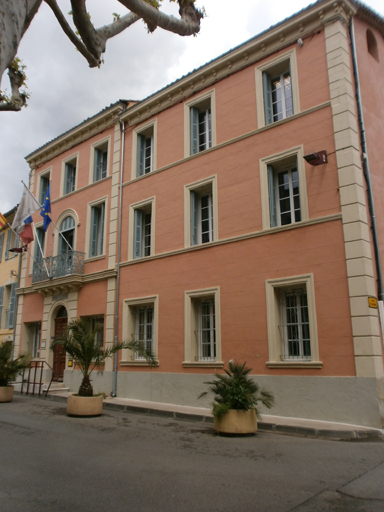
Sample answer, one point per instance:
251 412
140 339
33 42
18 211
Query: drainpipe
122 131
16 307
367 176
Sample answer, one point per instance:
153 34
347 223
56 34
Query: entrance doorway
61 322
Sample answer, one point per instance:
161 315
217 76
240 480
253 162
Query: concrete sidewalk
269 423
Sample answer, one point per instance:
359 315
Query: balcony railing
66 264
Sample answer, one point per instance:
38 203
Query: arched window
372 45
62 313
67 232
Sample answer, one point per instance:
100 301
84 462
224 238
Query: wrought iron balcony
66 264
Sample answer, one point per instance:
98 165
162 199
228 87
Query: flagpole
22 245
62 236
41 250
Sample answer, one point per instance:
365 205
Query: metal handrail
35 365
67 263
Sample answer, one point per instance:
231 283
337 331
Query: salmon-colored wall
371 76
92 299
33 308
76 201
240 269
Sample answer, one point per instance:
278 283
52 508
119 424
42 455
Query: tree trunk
15 18
86 388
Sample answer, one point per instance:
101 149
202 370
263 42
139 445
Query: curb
334 435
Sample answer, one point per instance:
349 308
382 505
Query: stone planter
85 405
6 393
236 422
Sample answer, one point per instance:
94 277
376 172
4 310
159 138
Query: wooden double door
58 351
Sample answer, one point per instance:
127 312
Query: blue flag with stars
46 209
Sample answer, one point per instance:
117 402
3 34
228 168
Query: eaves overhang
284 34
78 134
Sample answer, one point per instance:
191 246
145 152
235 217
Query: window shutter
1 245
194 130
290 76
101 229
67 180
137 244
140 155
96 170
272 196
1 302
94 225
194 201
104 164
8 244
267 94
12 302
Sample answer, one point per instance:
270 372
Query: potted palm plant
78 340
9 369
236 397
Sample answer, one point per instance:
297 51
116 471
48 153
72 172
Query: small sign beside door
372 302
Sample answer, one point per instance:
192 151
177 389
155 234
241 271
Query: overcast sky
65 91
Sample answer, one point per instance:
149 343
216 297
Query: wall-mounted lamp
318 158
70 363
13 273
300 42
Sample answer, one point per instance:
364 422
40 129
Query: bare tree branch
188 24
19 98
92 60
108 31
89 35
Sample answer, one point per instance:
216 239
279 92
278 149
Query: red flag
27 235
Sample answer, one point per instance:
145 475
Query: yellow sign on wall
372 302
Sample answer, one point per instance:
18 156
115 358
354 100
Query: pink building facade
195 221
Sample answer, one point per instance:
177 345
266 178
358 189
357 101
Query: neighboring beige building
229 216
9 262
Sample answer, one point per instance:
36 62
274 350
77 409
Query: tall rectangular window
277 91
201 217
1 245
202 323
96 246
201 127
144 327
145 152
36 340
206 333
142 232
12 306
284 195
70 177
12 242
1 304
44 183
100 162
295 324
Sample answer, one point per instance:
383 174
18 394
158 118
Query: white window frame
290 58
66 213
73 159
207 186
46 174
96 146
36 341
148 130
35 248
192 341
203 101
278 160
274 288
144 205
95 204
130 307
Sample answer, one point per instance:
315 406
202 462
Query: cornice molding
79 134
267 43
66 284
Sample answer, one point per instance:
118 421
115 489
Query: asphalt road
131 462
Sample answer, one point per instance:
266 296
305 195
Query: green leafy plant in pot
236 398
79 341
9 369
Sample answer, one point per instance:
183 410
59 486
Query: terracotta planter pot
6 393
85 405
236 422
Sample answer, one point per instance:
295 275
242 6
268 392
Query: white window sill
94 258
295 364
203 364
138 363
